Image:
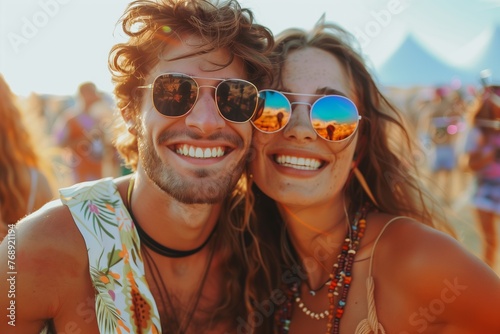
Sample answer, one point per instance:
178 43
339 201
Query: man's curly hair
153 25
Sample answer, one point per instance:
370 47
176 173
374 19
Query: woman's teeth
297 163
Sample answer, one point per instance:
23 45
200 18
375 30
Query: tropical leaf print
106 312
97 211
124 303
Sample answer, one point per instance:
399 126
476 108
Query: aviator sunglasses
334 117
175 94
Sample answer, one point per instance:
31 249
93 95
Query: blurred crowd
49 142
457 130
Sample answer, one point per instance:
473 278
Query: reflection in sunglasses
333 117
175 94
272 119
335 131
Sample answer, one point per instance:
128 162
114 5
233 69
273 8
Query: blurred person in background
483 151
84 130
24 182
442 122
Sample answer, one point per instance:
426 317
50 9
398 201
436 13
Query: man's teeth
198 152
298 163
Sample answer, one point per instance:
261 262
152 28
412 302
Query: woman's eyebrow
330 91
319 91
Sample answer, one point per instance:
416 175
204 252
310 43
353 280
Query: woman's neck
317 236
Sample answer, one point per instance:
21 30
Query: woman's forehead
313 69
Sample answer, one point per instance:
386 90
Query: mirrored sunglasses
334 117
175 94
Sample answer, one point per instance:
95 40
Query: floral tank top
124 303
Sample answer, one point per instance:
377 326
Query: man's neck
171 223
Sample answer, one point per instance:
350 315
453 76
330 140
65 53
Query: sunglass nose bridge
301 103
207 86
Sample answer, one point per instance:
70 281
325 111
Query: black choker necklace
154 245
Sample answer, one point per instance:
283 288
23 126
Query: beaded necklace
339 285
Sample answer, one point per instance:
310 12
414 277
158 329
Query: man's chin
199 197
200 191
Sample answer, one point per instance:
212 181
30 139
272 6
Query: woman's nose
299 126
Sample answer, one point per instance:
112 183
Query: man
160 251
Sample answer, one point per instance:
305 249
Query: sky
51 46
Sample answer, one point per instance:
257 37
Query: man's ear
130 125
129 121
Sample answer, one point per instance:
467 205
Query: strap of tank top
371 324
34 182
378 238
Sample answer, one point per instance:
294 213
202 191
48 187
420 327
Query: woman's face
295 166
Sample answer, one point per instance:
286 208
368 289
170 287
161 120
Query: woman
23 186
483 148
339 199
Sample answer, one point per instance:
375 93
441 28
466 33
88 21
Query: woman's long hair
17 155
386 153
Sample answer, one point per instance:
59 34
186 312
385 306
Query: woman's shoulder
402 224
410 240
421 257
425 269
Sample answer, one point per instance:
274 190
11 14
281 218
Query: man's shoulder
50 231
88 190
49 261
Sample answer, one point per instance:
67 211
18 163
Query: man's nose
205 115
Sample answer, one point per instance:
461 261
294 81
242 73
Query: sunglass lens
174 94
273 112
334 117
237 100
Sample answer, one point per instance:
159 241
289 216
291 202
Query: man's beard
207 188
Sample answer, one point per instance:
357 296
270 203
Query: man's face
198 157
